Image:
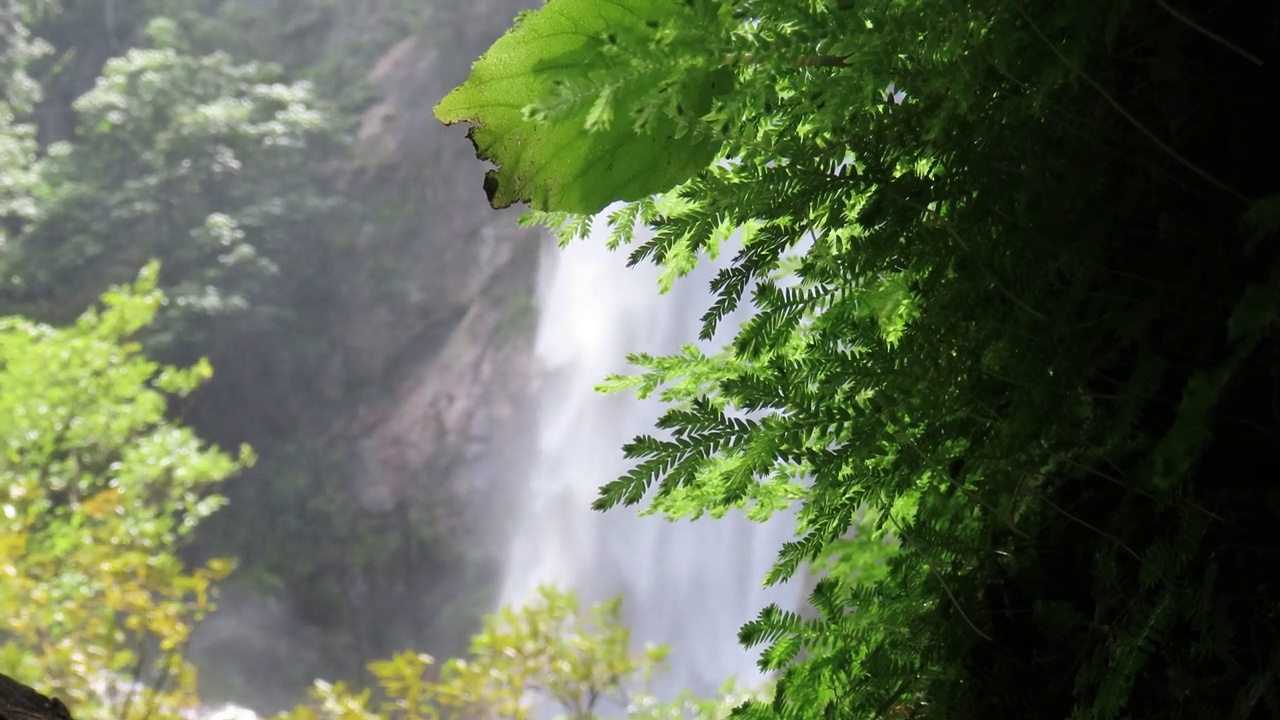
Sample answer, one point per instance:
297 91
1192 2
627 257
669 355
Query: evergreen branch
815 60
969 494
942 222
941 581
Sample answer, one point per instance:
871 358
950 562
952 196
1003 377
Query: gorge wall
373 523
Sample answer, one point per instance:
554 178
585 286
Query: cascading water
690 585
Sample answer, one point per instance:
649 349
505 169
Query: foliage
330 43
548 654
196 160
1013 304
18 90
18 94
620 131
18 178
99 490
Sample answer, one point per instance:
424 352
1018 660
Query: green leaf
586 102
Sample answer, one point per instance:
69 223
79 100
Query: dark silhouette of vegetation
1015 270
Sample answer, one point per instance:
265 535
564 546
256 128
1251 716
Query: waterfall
688 584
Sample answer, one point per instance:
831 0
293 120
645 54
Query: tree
224 171
18 49
18 93
199 161
547 655
98 487
1015 276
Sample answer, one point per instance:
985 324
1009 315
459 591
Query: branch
1212 35
941 580
1133 120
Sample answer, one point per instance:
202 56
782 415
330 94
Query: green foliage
18 49
18 94
99 490
199 161
330 43
548 651
579 104
19 180
214 135
577 661
1013 307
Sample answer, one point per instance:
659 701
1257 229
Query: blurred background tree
549 656
197 160
98 489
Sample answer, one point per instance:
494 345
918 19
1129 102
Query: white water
690 585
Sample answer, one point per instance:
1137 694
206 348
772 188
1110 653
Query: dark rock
21 702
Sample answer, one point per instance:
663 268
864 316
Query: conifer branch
941 581
816 60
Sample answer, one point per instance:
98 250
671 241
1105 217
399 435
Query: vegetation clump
1013 272
547 656
98 487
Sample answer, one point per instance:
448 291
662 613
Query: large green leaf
584 102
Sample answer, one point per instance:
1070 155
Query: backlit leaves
579 104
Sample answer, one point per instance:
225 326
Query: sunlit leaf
576 110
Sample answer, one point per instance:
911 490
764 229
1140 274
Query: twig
1097 530
1212 35
969 494
1133 120
941 580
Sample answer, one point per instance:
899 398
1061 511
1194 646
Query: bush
98 486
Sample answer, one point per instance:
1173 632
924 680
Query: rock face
20 702
430 370
441 321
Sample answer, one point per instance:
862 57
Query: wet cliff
373 522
